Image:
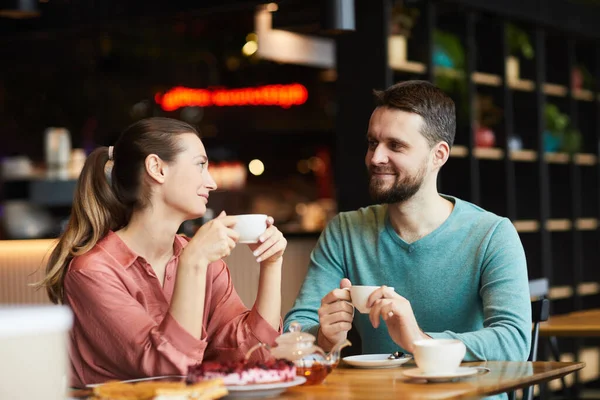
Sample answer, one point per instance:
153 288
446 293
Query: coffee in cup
439 356
250 227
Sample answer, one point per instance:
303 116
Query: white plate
262 389
461 372
375 361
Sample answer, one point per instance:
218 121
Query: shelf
459 151
481 78
552 89
583 95
486 79
588 288
488 153
409 66
494 153
523 155
565 292
560 292
522 85
585 159
586 224
554 158
558 225
527 225
557 158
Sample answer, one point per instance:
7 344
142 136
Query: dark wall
579 16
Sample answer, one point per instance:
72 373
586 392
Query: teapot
299 347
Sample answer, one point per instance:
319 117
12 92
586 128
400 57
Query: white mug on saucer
439 356
250 227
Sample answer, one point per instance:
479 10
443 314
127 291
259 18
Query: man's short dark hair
425 99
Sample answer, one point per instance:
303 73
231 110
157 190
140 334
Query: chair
540 311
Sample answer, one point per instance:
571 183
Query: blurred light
232 63
300 208
19 9
256 167
140 109
250 48
252 37
302 167
316 164
284 96
272 7
192 115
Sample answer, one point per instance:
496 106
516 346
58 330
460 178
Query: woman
147 301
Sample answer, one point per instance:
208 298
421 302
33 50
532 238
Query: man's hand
398 315
335 316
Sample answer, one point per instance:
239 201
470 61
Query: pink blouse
123 328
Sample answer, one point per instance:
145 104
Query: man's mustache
375 170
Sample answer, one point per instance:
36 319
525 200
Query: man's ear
156 168
441 153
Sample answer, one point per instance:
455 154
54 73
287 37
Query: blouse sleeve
115 333
233 328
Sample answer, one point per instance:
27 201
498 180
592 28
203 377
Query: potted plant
519 44
559 134
403 20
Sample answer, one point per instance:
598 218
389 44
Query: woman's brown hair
105 197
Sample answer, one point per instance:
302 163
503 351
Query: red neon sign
283 96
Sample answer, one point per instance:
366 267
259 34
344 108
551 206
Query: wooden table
576 324
353 383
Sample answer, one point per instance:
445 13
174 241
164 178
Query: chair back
540 310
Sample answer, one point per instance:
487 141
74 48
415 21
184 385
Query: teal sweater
465 280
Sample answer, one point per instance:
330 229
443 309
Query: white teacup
34 362
250 227
360 294
439 356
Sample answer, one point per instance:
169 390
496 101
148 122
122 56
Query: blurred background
282 93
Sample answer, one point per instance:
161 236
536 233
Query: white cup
34 360
439 356
250 227
360 294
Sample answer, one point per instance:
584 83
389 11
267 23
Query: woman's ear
156 168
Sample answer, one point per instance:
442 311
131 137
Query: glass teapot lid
295 337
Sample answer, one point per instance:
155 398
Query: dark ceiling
68 14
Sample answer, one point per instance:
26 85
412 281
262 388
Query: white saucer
375 361
262 390
460 372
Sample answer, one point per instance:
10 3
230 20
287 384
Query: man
457 270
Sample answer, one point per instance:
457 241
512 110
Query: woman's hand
271 245
212 242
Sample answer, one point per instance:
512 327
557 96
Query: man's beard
400 191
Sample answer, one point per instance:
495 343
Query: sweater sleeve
504 290
325 271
